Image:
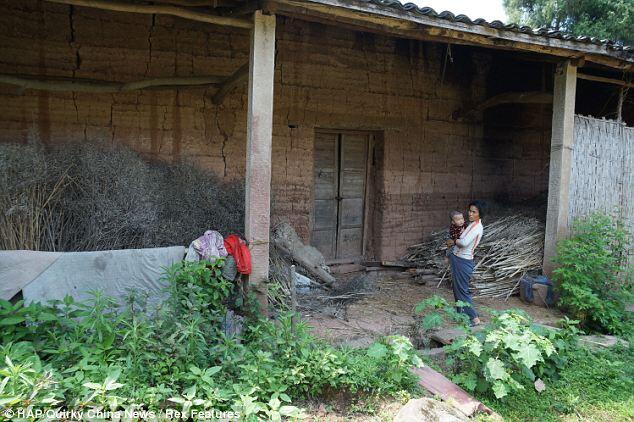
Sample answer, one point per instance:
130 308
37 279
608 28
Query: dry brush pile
512 246
79 197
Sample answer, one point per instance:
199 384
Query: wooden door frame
367 248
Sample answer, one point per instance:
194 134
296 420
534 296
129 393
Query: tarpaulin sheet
44 276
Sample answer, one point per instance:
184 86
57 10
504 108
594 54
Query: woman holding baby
461 257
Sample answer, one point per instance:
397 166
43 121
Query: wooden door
340 187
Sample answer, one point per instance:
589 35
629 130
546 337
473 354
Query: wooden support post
259 143
561 145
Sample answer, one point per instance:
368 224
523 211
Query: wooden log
319 273
159 10
62 84
399 264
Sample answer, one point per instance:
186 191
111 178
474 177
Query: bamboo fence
602 175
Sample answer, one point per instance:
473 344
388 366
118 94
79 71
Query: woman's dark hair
480 205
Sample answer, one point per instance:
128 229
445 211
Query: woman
461 260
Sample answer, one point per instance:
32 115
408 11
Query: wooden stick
159 10
88 85
291 276
605 80
619 107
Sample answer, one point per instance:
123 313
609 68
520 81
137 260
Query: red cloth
455 231
240 252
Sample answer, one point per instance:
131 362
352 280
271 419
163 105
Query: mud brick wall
326 77
519 140
517 136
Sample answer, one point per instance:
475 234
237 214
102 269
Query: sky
488 9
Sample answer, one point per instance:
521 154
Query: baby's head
457 219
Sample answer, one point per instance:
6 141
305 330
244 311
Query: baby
456 228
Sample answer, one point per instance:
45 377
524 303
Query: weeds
102 355
594 386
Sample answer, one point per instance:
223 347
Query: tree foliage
605 19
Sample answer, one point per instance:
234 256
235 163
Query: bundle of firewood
511 247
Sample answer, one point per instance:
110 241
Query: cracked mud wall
326 77
40 38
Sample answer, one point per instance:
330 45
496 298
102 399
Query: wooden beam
239 77
247 8
561 145
61 84
532 97
417 26
187 3
159 10
605 80
198 3
259 145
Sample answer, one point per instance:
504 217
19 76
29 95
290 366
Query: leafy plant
176 354
503 356
25 385
434 312
594 280
593 386
442 311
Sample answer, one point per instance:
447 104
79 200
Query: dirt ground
388 308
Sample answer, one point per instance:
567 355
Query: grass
593 387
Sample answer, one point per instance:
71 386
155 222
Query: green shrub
102 355
593 386
593 279
506 355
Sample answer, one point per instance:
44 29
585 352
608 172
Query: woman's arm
469 237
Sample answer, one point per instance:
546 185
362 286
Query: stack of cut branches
511 247
279 285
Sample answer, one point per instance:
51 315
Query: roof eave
367 15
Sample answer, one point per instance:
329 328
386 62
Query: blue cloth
461 270
526 284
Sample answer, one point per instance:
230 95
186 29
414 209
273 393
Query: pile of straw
511 247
